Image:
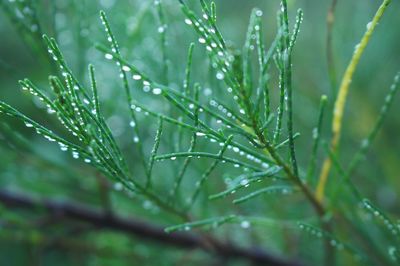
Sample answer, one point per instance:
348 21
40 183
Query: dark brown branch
142 229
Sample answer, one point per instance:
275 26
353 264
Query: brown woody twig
143 229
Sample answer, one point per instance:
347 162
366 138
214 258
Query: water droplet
161 29
236 165
315 133
108 56
173 158
136 139
49 138
202 40
63 147
207 91
200 134
147 204
87 160
244 182
136 77
365 143
245 224
50 111
75 155
28 125
369 25
188 21
220 76
132 124
118 186
157 91
259 13
126 68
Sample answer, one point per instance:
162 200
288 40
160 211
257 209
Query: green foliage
211 148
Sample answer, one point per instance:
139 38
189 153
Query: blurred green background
29 164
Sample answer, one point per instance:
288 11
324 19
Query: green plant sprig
245 180
200 183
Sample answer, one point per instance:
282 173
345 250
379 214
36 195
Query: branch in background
330 19
340 102
143 229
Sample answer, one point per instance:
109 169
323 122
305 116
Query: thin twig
330 19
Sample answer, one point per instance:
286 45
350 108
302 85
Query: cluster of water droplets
391 227
319 234
137 109
48 135
394 253
221 108
68 122
235 149
26 13
147 85
50 109
220 57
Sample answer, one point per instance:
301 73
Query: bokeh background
29 164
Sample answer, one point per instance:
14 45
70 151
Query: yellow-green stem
342 96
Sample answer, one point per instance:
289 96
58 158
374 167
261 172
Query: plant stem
330 19
287 63
342 96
